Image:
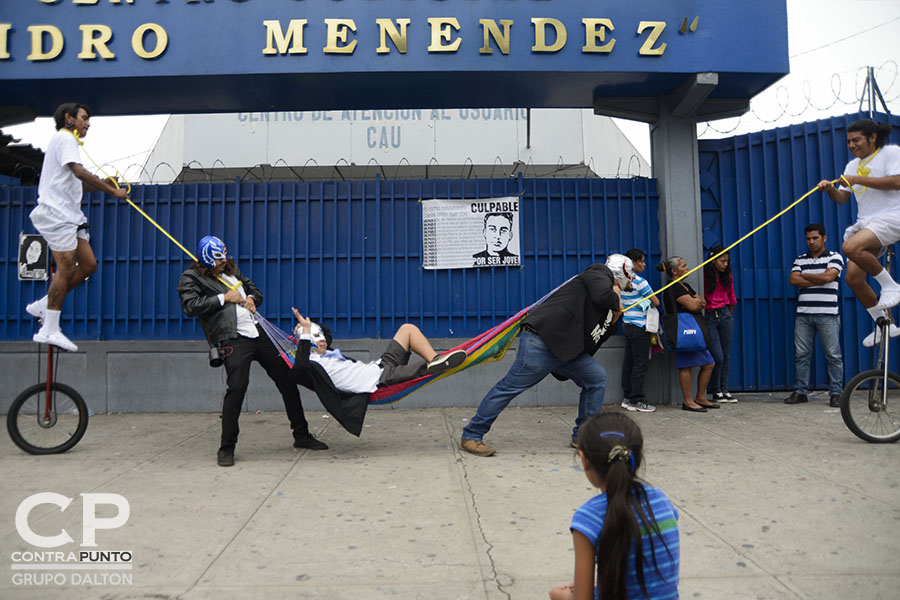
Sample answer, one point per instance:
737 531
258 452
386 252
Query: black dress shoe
796 398
691 408
834 401
225 459
710 405
308 441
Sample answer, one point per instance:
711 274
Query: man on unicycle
59 219
873 177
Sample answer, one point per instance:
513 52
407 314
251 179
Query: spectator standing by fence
718 284
817 273
637 338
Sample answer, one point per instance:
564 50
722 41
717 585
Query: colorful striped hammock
488 346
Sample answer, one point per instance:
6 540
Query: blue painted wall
348 253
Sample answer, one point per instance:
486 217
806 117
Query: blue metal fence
348 253
744 181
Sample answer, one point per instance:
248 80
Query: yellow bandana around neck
861 168
76 136
863 171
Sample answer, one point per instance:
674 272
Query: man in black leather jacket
559 336
214 290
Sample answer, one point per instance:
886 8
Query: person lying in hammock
327 371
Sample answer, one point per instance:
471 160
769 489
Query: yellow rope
725 251
115 182
667 286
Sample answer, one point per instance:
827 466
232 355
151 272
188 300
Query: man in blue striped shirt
637 339
817 273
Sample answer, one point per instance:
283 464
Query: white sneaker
643 407
628 405
55 338
37 308
889 298
875 337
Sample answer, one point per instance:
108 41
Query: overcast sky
830 44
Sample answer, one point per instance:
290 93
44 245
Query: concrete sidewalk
776 501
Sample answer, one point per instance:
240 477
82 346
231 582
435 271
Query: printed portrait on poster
464 234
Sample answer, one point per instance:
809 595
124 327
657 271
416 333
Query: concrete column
677 171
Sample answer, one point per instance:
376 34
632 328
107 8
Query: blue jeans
721 326
533 362
829 329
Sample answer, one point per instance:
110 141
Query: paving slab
776 502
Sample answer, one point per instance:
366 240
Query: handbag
684 331
652 324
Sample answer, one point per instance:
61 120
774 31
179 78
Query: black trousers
239 353
634 365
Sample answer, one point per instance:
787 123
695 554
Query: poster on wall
464 234
34 258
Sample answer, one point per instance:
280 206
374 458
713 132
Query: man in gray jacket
215 291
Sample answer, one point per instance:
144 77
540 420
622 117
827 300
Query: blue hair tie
612 434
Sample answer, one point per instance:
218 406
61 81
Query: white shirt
871 202
59 189
246 324
350 376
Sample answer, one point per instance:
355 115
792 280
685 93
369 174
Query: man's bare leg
862 248
69 276
62 278
856 279
66 273
411 338
85 264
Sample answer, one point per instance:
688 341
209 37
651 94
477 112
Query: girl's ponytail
613 445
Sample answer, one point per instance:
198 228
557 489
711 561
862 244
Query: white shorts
61 235
885 226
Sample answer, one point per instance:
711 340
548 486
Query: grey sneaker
445 362
643 407
627 405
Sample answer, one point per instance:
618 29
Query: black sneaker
225 459
796 398
834 401
445 362
308 441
